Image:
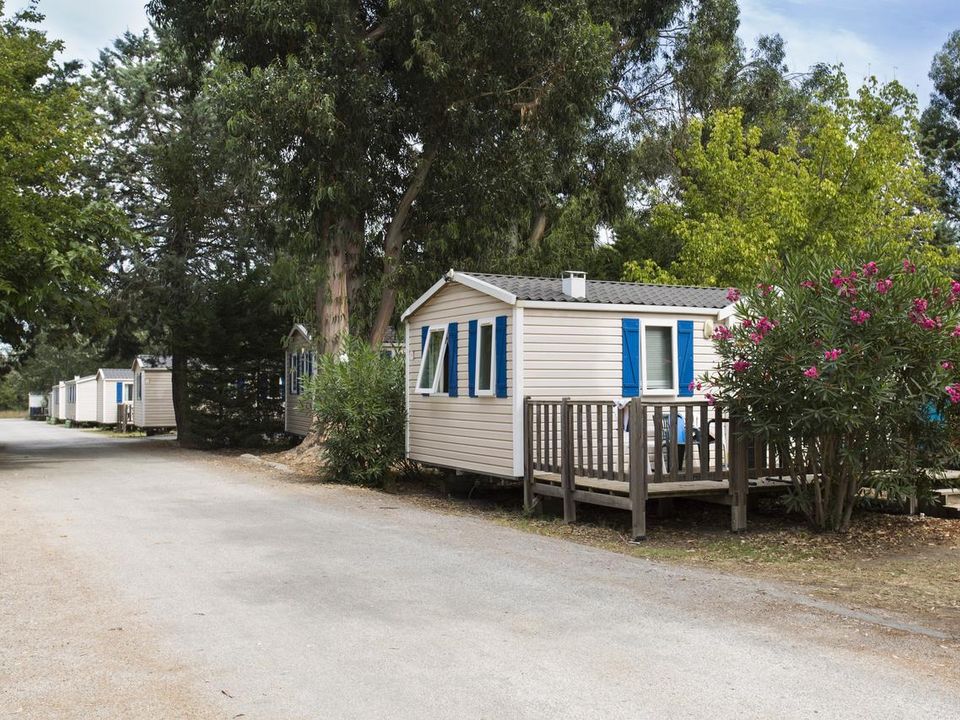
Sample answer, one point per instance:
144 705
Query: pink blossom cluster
946 365
764 289
722 332
741 365
956 332
954 392
918 315
761 327
847 284
809 284
733 295
883 286
858 316
694 385
832 355
954 288
870 269
812 372
909 267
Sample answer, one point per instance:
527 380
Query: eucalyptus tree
389 119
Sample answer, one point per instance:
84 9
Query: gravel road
141 581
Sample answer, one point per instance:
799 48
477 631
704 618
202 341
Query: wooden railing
124 417
615 448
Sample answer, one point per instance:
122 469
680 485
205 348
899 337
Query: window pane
659 358
485 370
431 359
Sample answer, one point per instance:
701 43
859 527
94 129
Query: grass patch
13 414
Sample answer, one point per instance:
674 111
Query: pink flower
756 338
883 286
812 372
858 317
722 332
711 400
954 392
909 267
832 355
733 295
741 365
946 365
920 305
765 289
870 269
954 288
765 325
809 284
956 331
693 385
848 291
747 323
838 280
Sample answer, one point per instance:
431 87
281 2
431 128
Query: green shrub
359 402
857 360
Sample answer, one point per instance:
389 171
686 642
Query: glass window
140 386
433 376
658 341
128 392
484 360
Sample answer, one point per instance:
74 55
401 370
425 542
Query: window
659 361
432 377
128 392
294 373
140 386
484 362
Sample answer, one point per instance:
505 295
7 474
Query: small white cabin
81 394
153 393
61 415
52 398
114 387
300 365
477 344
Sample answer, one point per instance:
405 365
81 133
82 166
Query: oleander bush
850 369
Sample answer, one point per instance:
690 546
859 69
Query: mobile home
61 415
81 393
477 344
300 365
114 388
153 393
52 404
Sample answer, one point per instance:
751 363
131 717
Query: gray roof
156 361
117 373
610 292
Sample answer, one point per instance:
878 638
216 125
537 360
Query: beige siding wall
156 407
465 433
62 401
69 406
86 406
297 414
578 353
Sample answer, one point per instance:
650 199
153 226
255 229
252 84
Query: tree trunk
393 244
538 230
332 296
181 396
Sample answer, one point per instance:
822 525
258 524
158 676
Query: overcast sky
887 38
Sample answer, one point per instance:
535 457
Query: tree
390 120
940 125
854 176
849 368
50 257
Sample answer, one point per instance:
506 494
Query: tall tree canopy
853 175
386 120
50 231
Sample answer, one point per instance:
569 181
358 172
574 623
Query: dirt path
243 596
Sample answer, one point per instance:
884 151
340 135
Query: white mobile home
114 388
81 406
61 415
477 344
300 365
153 393
70 399
52 404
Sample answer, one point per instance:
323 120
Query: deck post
739 484
567 478
528 497
638 468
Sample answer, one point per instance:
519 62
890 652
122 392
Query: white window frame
433 389
127 390
644 390
493 359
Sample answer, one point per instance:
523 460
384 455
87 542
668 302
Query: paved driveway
138 580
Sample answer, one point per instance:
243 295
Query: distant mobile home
82 399
61 401
299 363
114 387
52 403
153 393
477 344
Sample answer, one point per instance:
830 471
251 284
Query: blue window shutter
500 339
630 362
424 331
685 357
452 365
471 358
119 393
